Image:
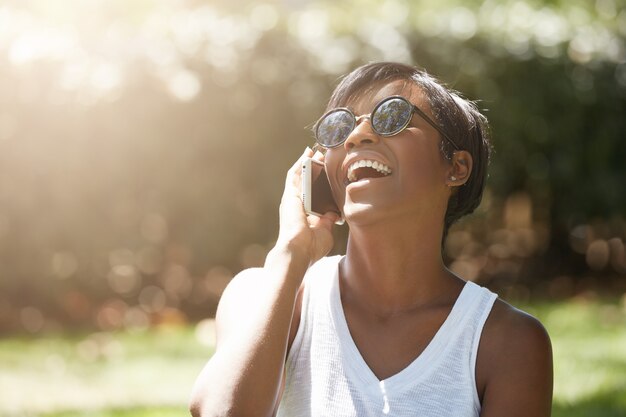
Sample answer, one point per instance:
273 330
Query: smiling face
376 178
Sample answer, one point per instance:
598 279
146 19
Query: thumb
331 216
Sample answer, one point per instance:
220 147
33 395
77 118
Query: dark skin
393 311
395 289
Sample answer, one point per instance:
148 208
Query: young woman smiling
386 329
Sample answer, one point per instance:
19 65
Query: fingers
331 216
321 228
318 156
291 208
292 181
308 153
327 220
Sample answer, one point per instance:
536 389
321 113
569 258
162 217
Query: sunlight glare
264 16
184 84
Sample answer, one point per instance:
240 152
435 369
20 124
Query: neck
391 269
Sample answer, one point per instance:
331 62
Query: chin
362 213
384 210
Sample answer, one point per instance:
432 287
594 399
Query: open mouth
367 168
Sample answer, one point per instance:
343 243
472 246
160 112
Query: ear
460 169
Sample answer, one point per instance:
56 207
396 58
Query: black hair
457 116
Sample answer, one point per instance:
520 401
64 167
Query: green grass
589 346
150 373
154 411
146 374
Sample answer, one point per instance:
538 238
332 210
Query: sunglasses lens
335 128
391 116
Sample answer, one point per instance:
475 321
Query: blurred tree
143 147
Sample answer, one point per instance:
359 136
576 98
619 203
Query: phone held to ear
317 196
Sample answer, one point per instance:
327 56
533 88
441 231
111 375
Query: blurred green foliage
143 146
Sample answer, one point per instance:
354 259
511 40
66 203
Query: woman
386 329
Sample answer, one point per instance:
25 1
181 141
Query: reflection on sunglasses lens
391 116
335 128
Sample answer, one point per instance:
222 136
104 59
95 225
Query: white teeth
378 166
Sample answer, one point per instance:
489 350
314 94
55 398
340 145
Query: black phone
317 196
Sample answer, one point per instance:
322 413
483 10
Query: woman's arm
252 323
243 378
514 365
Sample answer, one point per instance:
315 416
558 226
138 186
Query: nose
362 133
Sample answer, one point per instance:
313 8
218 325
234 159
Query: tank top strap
318 282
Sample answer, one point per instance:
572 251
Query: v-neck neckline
416 369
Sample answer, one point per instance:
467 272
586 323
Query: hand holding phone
317 195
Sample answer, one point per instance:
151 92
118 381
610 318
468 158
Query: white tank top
327 376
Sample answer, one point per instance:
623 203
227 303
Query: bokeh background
143 148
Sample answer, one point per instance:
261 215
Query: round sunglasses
389 117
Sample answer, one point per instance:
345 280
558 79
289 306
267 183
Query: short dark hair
457 116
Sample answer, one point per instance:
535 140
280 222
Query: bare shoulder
514 328
514 364
239 292
238 298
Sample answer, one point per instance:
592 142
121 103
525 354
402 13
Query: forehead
364 103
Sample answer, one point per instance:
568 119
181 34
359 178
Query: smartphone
317 196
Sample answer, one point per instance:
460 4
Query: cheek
423 166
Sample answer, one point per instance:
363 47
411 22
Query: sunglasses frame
414 109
